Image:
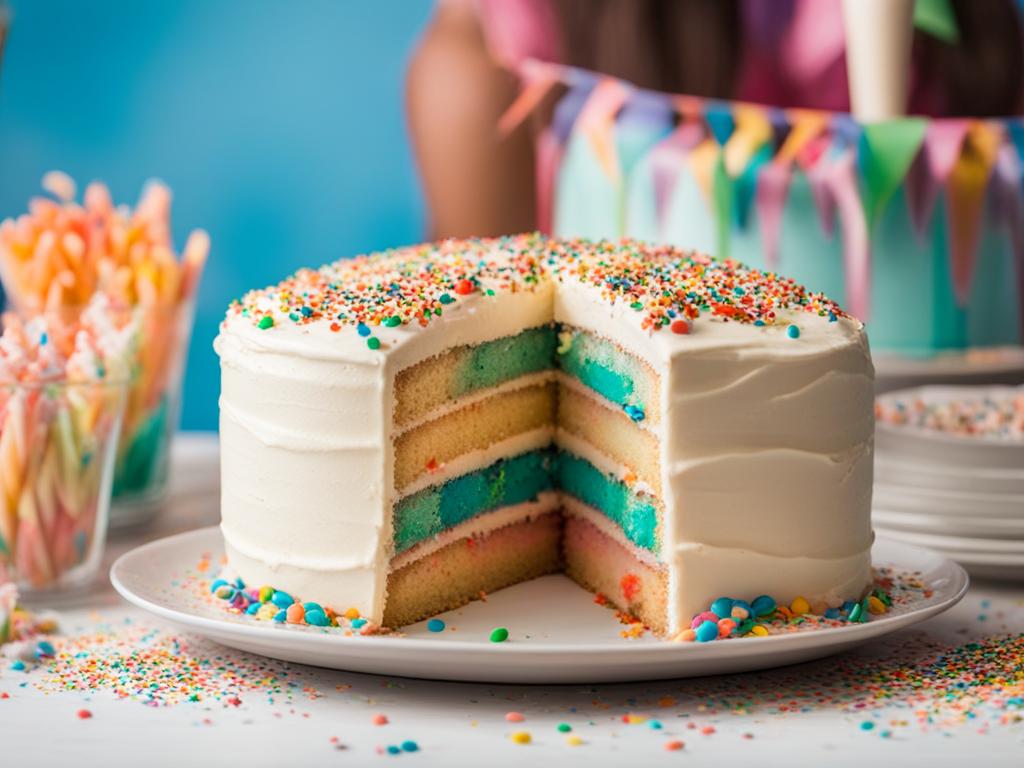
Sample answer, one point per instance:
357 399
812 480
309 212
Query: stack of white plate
961 495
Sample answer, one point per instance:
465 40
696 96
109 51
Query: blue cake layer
517 480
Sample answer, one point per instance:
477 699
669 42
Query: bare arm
476 183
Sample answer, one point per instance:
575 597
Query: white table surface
464 724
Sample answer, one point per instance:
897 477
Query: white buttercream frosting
766 440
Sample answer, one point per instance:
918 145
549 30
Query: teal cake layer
517 480
603 367
495 362
633 513
506 482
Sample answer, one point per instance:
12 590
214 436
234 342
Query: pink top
793 54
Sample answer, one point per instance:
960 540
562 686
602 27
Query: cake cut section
415 428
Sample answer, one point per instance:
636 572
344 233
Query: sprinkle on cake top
668 286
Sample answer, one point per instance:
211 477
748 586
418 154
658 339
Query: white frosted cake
403 431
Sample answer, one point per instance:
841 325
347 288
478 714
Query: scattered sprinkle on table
499 635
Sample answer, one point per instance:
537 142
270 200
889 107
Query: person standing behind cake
780 52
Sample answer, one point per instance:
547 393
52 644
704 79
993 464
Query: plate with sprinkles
545 631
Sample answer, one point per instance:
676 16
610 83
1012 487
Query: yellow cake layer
611 432
472 428
469 568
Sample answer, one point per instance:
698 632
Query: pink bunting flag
821 193
538 80
856 245
965 199
769 202
548 158
667 159
942 142
597 122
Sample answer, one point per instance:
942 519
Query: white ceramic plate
933 447
894 471
948 525
954 503
1004 547
558 633
982 365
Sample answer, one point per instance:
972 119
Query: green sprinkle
266 322
499 635
564 727
636 305
446 298
373 342
392 321
489 291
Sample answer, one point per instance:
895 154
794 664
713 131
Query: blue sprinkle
307 311
738 291
410 746
281 616
239 584
759 323
317 618
655 724
793 332
763 605
45 649
18 665
867 725
253 607
722 607
435 625
363 329
358 623
393 750
831 613
707 632
307 607
217 584
635 412
832 317
282 599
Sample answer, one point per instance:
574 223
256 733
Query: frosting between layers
761 434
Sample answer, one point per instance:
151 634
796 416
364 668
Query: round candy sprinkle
410 746
317 618
655 725
393 321
740 610
464 287
281 616
763 605
514 717
373 342
574 741
674 746
358 623
793 332
217 584
352 613
363 329
686 636
760 630
18 665
800 606
680 326
84 714
307 607
282 599
435 625
225 592
45 650
726 627
564 727
867 725
379 719
393 750
265 594
701 617
499 635
266 322
707 632
253 608
522 737
295 613
722 607
875 605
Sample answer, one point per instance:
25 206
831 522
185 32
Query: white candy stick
878 37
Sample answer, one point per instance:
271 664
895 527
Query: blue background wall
278 125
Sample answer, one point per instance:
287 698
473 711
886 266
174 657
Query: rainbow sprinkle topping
668 287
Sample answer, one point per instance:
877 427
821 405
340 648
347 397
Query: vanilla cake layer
474 427
765 426
470 567
445 378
